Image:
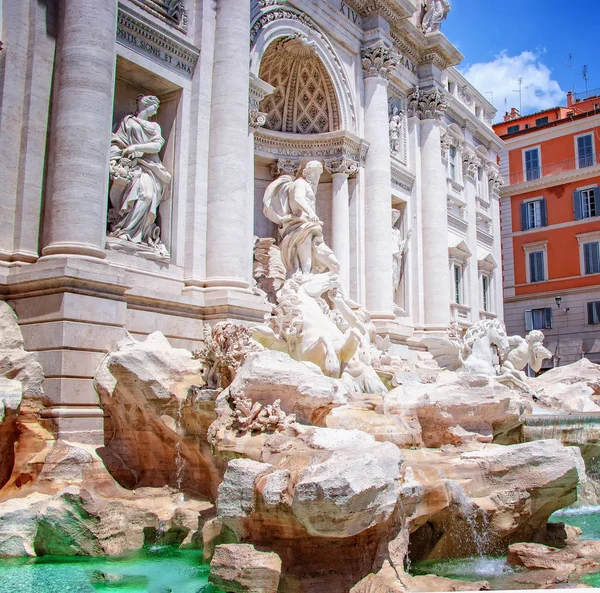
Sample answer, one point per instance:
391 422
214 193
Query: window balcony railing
554 168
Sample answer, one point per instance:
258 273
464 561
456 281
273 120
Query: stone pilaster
341 170
229 252
75 210
429 106
378 61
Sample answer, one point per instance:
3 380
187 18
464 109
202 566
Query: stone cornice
330 145
393 11
549 181
401 176
461 114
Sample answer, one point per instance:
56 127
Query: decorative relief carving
446 143
172 12
427 104
378 61
256 119
342 165
304 100
464 95
258 91
495 181
285 167
470 163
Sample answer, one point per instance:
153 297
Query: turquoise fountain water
152 570
495 569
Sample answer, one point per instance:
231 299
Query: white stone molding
345 166
306 147
496 181
259 89
141 36
286 167
427 104
171 12
402 177
393 11
275 22
378 61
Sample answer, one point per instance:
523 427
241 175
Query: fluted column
75 212
429 106
229 246
378 61
341 170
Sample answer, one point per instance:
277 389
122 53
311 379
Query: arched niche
304 100
284 24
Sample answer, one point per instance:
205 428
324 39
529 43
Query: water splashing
475 517
179 460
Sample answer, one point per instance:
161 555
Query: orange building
550 217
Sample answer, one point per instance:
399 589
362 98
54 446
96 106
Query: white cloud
501 76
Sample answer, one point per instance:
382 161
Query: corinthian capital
378 60
342 165
428 104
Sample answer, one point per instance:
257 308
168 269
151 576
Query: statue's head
312 172
148 103
395 216
534 337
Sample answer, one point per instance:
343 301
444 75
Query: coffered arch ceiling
304 100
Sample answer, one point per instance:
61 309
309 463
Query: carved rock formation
240 568
158 417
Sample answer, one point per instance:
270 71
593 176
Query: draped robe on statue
137 201
298 226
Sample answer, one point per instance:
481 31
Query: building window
513 129
452 162
593 311
533 214
585 151
458 273
585 203
532 164
485 287
541 121
538 319
537 273
591 258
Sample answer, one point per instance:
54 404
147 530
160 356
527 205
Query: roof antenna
585 77
520 96
570 67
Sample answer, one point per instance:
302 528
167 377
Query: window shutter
528 321
524 218
548 312
590 308
543 214
577 205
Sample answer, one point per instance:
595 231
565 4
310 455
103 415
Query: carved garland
378 61
429 104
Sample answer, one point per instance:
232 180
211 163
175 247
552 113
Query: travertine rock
583 556
10 403
481 501
571 388
460 408
302 388
76 508
158 417
240 568
15 362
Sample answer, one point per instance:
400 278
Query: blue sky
532 39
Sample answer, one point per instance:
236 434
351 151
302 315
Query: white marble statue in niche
400 247
291 204
396 130
435 11
140 182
